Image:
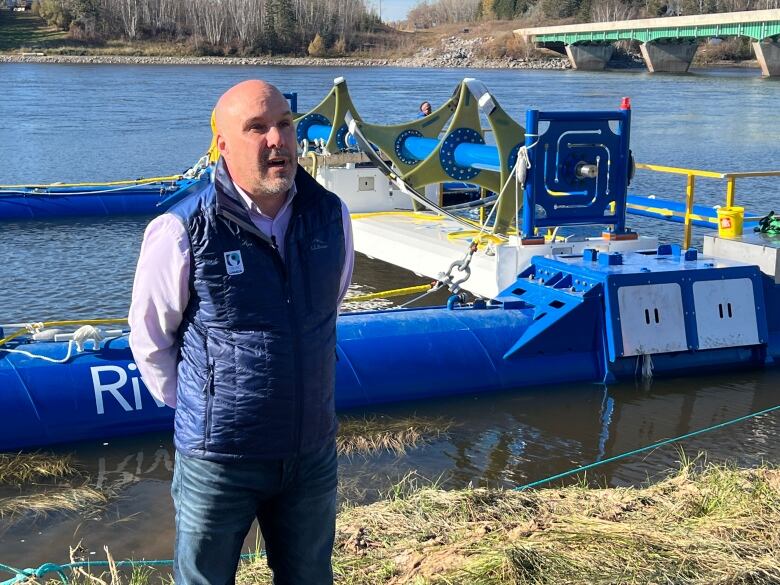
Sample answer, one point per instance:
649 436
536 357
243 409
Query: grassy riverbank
702 524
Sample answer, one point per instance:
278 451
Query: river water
101 122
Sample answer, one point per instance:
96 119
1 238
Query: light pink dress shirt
161 289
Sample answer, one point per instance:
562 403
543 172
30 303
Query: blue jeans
293 499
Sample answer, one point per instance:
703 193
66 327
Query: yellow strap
131 182
24 330
398 292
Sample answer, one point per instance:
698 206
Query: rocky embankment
453 52
461 52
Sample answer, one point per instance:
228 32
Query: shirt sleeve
349 250
160 295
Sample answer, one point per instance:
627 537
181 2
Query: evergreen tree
284 20
270 41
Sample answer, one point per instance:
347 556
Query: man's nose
275 137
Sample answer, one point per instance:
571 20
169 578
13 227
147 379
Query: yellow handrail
68 323
690 187
105 184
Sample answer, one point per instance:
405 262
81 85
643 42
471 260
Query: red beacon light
625 103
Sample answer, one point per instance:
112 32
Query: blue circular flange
341 137
447 153
307 121
404 155
513 155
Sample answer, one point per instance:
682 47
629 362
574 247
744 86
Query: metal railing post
730 191
689 198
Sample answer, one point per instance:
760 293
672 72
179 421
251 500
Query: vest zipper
208 390
306 277
294 329
297 435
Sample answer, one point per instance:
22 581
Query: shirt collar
253 208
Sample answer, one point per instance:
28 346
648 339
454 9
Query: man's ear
221 144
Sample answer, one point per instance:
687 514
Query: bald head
256 138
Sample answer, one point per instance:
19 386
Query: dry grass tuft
68 499
40 484
367 436
21 468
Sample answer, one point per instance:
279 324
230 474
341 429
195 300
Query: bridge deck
756 24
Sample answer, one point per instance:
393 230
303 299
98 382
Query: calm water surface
82 122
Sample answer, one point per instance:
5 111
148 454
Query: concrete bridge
668 44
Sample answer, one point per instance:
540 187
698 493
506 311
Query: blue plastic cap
691 254
664 250
676 250
590 254
613 259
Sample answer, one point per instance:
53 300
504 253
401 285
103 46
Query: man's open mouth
276 163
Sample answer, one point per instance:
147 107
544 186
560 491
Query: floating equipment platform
590 317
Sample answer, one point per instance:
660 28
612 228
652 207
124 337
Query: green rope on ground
769 224
642 449
46 568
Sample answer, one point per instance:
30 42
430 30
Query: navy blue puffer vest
257 360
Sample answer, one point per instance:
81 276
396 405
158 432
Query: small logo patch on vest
234 263
318 244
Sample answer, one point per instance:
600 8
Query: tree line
227 26
429 13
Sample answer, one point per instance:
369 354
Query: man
233 323
425 110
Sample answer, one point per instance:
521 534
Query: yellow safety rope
106 184
398 292
32 326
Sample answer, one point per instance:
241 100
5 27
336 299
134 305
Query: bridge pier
589 57
668 57
768 55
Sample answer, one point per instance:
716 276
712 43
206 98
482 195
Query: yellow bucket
730 221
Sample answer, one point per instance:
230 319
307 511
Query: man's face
425 108
257 140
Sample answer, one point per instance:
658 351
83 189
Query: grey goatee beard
279 185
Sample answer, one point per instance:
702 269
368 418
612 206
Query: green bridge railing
757 25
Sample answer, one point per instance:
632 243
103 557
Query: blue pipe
466 154
420 147
320 131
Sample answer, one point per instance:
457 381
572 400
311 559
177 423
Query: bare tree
611 11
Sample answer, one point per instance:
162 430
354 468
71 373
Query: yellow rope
108 184
23 330
398 292
314 164
412 214
213 151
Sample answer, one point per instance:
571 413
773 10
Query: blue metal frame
553 185
292 97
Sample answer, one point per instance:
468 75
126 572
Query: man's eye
285 124
258 128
